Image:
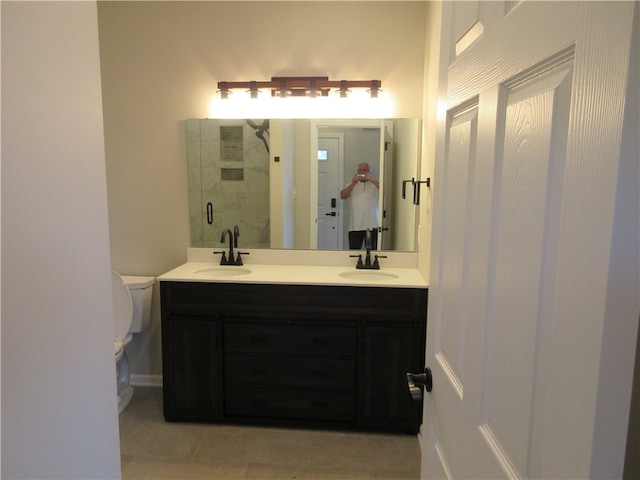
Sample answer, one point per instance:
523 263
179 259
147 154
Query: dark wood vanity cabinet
193 362
328 355
289 371
389 353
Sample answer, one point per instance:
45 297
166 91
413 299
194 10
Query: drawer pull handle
320 341
319 405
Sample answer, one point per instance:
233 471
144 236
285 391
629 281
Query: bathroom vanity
308 352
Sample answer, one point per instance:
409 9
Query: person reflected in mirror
362 193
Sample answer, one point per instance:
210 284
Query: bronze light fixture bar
300 87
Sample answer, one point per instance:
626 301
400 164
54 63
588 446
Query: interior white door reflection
330 208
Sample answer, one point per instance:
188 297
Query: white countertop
295 275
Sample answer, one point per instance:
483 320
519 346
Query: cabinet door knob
416 381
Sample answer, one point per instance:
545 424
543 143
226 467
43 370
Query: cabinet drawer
289 339
317 302
289 404
304 372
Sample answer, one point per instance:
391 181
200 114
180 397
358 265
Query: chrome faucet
231 259
367 264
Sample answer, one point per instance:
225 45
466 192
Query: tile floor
154 449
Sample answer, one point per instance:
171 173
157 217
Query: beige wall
59 407
161 62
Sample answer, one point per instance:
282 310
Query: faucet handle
238 261
223 260
359 264
376 265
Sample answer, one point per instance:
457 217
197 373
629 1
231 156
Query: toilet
131 314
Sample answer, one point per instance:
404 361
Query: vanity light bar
300 87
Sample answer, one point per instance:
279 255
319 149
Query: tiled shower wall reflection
228 181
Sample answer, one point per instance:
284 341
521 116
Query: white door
531 332
329 186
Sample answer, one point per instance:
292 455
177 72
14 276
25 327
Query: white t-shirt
364 206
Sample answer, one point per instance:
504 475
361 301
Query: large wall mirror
279 180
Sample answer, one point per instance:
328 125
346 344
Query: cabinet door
191 370
388 353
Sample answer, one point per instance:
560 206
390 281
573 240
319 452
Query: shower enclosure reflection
270 178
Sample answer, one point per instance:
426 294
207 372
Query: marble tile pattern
153 448
235 202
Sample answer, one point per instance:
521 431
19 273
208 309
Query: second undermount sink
371 275
222 272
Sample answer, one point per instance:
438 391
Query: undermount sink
373 275
223 272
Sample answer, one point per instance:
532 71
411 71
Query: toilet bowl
131 314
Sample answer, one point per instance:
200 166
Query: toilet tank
141 289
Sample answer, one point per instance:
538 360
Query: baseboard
143 380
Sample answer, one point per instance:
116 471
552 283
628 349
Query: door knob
416 381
